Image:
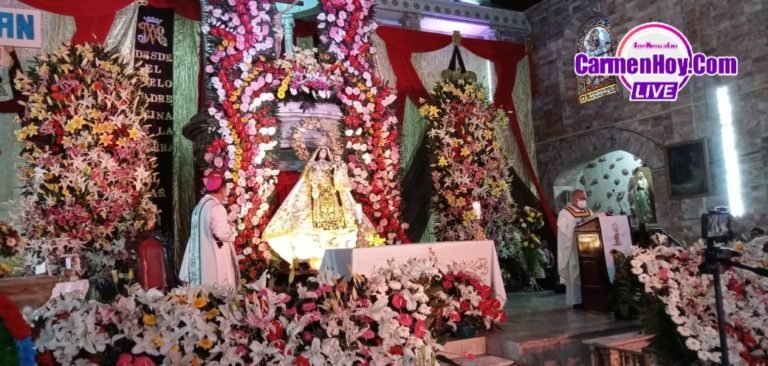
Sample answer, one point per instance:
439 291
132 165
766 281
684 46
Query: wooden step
483 360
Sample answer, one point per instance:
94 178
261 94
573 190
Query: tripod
715 259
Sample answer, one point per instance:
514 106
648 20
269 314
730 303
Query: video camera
716 225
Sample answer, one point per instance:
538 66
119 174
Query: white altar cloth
80 286
478 257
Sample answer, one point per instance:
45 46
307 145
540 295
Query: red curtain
403 43
285 182
93 18
304 28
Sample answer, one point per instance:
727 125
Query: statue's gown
317 214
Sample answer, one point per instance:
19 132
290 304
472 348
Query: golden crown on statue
320 132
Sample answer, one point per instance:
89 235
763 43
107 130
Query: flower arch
245 75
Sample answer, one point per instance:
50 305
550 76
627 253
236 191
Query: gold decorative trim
326 126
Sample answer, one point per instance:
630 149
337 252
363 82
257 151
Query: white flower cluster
672 275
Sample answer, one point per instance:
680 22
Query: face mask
582 204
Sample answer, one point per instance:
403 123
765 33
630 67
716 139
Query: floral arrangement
9 240
306 76
243 80
468 301
10 246
468 166
671 276
247 79
466 161
89 169
345 28
384 319
529 222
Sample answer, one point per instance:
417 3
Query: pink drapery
403 43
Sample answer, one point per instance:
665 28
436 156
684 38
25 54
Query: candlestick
358 212
477 209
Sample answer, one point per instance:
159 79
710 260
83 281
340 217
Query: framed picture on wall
688 169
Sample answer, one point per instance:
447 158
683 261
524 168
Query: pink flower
308 306
419 329
405 320
125 359
143 361
398 301
368 334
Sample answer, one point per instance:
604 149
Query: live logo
654 91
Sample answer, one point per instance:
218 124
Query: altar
478 257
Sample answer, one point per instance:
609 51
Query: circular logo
664 46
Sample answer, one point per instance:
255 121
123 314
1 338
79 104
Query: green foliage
8 354
626 293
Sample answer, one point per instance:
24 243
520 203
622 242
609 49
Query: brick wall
568 133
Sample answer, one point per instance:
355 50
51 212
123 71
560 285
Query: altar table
478 257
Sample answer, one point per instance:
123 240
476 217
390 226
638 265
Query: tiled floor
541 330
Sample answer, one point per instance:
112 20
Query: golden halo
330 136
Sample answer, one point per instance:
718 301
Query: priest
567 251
210 255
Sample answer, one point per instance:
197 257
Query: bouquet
89 171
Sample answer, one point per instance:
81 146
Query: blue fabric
27 353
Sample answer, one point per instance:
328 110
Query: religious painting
687 168
641 196
595 40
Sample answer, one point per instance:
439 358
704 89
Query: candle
359 212
477 209
114 276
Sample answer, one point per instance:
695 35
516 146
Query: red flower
45 358
398 301
419 329
301 361
276 332
396 350
405 320
465 305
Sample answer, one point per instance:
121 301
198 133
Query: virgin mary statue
317 214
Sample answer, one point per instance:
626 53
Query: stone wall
567 132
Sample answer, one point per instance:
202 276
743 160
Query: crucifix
287 12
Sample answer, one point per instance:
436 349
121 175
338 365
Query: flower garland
345 28
389 318
89 169
247 80
243 77
672 276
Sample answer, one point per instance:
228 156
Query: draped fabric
403 43
93 18
186 93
